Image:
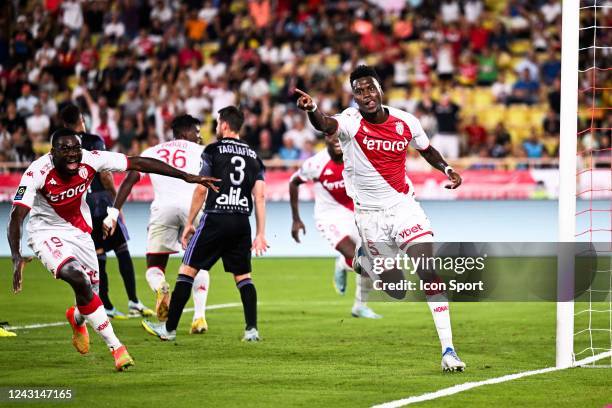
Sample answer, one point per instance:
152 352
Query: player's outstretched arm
110 221
18 214
436 160
259 197
197 201
321 122
106 178
150 165
297 224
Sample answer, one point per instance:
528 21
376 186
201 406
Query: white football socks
438 304
363 286
201 284
99 321
155 277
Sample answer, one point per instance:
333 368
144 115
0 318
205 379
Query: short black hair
61 132
363 71
70 115
183 123
233 117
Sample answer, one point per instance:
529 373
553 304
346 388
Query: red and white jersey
375 156
182 155
330 192
58 203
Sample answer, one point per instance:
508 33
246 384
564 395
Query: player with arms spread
169 215
100 195
53 191
374 138
334 217
224 231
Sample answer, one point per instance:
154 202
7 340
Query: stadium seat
482 97
517 116
492 115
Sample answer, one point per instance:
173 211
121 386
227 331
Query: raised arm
16 217
259 197
197 201
435 159
320 121
297 224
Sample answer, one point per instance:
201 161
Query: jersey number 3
237 176
178 159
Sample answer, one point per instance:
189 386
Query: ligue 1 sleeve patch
20 192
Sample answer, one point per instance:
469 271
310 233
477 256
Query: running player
224 231
100 195
334 217
169 214
374 139
53 190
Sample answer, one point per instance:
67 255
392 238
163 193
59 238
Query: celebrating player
169 215
100 195
374 139
333 215
53 190
224 231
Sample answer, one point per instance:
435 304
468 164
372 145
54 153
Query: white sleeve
419 141
346 123
31 180
308 172
105 160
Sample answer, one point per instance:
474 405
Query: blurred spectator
533 147
196 105
551 67
487 68
27 101
288 151
551 10
476 135
502 143
161 12
72 14
48 104
473 10
38 123
450 11
115 27
308 150
128 134
299 134
106 129
551 124
13 122
446 141
265 151
525 90
554 97
528 63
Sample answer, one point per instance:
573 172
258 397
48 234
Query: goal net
584 326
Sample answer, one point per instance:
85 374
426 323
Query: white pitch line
63 323
445 392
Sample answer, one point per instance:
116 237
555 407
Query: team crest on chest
399 128
83 172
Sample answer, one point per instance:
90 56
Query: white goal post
566 356
570 25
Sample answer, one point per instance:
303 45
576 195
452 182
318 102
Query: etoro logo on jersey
386 145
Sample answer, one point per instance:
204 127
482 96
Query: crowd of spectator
131 65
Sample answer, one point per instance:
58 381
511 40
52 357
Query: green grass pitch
313 354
